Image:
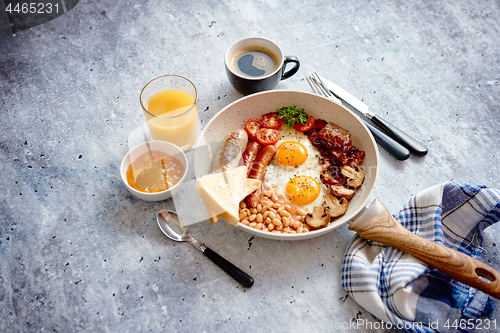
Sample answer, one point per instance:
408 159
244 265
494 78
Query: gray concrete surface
79 253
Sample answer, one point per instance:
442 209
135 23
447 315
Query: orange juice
173 116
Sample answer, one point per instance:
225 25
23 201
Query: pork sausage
230 151
258 170
249 155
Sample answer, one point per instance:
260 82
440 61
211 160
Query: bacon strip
336 148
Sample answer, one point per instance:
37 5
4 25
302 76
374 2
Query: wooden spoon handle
457 265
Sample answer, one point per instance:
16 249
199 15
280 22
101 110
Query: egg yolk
302 190
291 154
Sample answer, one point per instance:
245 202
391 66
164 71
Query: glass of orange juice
170 105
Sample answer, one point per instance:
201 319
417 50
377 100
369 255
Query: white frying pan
237 113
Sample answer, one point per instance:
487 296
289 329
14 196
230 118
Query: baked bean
277 222
268 193
300 211
283 212
273 214
276 231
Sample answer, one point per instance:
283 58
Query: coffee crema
254 62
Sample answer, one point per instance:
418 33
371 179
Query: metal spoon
169 224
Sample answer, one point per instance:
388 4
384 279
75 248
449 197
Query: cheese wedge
222 192
249 186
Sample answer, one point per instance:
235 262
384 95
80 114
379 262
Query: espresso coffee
254 62
257 64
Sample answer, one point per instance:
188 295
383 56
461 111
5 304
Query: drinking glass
170 105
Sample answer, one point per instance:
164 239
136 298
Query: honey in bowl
154 171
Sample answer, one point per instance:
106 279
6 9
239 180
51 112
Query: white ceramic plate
237 113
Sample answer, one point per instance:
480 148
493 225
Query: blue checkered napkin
400 289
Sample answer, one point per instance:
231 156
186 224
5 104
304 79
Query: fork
390 145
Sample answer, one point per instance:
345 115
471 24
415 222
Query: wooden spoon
377 224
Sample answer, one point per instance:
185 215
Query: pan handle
380 226
456 265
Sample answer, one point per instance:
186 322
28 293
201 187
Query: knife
415 146
390 145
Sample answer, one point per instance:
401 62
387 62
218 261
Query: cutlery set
389 137
377 224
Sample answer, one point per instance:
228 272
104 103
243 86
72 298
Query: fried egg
295 170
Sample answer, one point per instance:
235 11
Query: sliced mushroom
342 191
319 217
336 207
355 177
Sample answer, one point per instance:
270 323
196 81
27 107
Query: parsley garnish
293 115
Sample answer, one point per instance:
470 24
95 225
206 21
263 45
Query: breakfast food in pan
308 167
